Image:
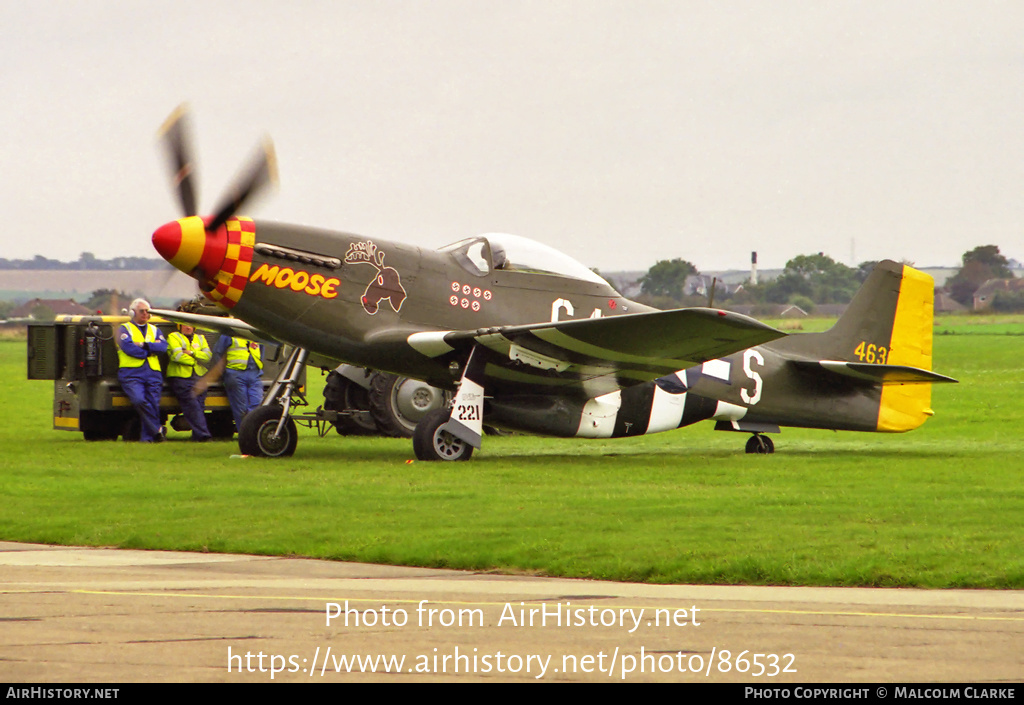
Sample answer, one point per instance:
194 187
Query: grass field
942 506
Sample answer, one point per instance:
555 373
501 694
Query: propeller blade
168 272
261 173
175 135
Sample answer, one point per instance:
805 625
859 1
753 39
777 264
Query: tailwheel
760 444
259 436
431 443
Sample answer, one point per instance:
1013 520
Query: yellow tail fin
907 406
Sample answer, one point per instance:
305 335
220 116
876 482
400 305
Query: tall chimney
753 268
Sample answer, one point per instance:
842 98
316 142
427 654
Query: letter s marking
753 397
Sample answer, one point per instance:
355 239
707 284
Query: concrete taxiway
119 616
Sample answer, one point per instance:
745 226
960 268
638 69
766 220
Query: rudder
907 406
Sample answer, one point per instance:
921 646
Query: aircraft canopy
515 253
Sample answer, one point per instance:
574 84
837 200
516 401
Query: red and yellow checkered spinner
220 259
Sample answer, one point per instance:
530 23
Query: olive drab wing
529 339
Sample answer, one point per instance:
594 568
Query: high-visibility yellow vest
183 358
238 354
126 360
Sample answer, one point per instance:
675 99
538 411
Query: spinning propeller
192 243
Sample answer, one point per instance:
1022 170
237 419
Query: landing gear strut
268 430
387 404
452 434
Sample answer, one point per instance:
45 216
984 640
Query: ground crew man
241 362
138 344
188 353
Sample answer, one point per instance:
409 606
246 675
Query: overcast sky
620 132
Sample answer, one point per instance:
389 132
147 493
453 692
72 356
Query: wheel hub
414 399
271 444
447 445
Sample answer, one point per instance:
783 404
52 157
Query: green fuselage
429 290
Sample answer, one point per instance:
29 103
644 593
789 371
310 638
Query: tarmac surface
95 615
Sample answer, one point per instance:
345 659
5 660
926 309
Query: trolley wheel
397 404
342 394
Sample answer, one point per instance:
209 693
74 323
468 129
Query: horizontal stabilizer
877 374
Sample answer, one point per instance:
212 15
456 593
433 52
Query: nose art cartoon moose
386 285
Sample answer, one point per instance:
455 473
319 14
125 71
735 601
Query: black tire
761 445
429 442
220 424
131 429
342 394
256 437
100 425
398 404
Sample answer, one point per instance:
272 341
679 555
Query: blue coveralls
192 404
244 387
143 385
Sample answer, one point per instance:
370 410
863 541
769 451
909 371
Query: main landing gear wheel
256 437
760 444
431 443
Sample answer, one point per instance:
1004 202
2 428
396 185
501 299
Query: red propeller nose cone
186 244
167 240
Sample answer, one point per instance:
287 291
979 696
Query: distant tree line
809 280
85 261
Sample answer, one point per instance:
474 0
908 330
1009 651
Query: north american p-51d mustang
531 340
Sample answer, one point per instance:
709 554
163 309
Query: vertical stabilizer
888 322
